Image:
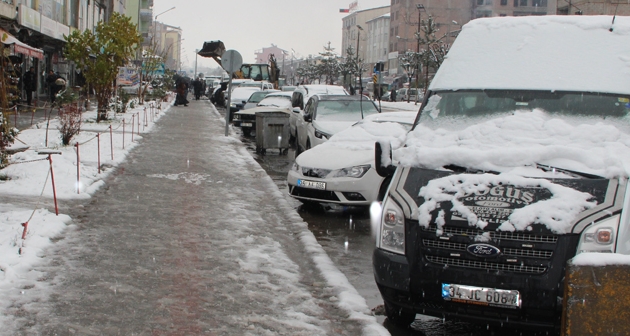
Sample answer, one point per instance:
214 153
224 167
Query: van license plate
246 125
311 184
481 296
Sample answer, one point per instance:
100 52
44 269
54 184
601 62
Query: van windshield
462 105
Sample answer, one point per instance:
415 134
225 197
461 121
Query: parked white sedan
342 169
325 115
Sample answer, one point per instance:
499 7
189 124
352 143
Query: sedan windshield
469 105
257 97
344 110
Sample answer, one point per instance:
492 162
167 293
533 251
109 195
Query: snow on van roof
557 53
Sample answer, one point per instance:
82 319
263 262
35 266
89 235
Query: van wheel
398 315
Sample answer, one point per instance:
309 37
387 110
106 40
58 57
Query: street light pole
196 51
155 24
358 66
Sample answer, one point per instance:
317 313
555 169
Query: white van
518 161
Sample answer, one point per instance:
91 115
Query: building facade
262 55
377 46
593 7
354 30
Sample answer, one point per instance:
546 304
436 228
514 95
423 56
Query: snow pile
511 141
557 213
600 259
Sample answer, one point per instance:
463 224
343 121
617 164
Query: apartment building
354 33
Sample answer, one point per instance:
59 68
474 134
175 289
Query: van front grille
542 254
516 268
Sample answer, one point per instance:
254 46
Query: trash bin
272 131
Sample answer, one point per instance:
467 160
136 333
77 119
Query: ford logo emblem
483 250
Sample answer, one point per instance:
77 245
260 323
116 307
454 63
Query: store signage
7 10
29 18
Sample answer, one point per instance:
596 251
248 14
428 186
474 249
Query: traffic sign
375 78
231 61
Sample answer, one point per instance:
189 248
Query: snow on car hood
509 202
513 142
355 145
253 110
276 102
518 195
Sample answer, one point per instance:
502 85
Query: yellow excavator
256 71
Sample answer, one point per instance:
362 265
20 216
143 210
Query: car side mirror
383 159
296 110
307 118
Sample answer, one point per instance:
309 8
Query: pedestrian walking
198 87
392 95
182 90
53 88
30 84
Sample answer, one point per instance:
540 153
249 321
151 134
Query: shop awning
20 47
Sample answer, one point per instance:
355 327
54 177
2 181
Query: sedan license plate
246 125
311 184
481 296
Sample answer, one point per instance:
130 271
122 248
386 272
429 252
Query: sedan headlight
321 135
237 117
392 233
356 171
296 167
232 104
600 236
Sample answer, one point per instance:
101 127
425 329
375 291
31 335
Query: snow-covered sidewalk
30 179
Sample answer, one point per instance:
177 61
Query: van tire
398 315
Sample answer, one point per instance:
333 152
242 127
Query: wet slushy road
346 236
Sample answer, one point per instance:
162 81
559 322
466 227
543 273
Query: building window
515 3
503 2
523 3
479 2
539 3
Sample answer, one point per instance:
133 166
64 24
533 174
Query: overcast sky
305 26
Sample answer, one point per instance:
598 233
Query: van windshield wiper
462 169
572 173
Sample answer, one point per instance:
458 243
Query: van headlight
295 167
599 237
356 171
392 235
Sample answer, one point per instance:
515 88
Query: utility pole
360 86
420 8
196 54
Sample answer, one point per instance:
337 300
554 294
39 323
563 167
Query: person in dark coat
181 88
218 98
53 88
198 87
392 96
30 84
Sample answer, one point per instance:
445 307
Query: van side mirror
383 159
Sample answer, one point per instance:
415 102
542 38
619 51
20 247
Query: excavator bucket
212 49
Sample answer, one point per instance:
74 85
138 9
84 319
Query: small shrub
70 120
